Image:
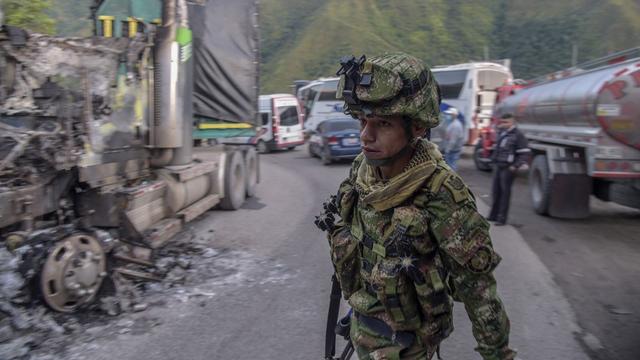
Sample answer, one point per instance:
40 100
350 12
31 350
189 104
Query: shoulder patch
457 188
482 261
437 179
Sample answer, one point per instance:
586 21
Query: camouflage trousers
372 346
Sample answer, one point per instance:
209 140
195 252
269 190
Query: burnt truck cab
97 156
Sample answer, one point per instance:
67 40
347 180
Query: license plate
351 141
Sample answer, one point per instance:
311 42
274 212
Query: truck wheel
291 148
477 158
262 147
310 150
251 164
625 194
234 182
540 185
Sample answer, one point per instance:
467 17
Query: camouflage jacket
407 247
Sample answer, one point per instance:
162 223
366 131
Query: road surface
273 300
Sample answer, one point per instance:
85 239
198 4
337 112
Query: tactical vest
390 267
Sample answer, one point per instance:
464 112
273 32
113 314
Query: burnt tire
251 165
477 156
234 182
540 185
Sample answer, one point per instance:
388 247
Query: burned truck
97 158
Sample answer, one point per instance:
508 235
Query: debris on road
187 269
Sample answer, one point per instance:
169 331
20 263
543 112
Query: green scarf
386 194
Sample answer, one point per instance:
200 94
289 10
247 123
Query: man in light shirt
454 138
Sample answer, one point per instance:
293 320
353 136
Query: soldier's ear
418 131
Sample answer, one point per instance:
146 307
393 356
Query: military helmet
393 84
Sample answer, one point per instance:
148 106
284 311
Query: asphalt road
595 261
274 305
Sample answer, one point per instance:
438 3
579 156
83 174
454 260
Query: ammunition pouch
344 255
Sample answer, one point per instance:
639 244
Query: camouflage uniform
406 247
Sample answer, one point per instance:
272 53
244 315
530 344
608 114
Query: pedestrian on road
454 138
409 240
511 153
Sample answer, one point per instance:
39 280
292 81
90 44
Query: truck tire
251 164
477 156
540 185
310 150
625 194
235 183
262 147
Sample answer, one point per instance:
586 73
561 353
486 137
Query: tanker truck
583 126
97 159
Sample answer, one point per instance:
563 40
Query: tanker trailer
584 130
97 164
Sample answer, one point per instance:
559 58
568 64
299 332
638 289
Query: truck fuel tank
605 99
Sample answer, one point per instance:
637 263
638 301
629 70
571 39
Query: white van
282 122
319 101
471 89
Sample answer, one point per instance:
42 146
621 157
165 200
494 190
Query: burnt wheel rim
72 273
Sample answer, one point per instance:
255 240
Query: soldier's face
382 137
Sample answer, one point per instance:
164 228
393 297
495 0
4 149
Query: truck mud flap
569 198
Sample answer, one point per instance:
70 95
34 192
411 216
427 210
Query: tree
30 15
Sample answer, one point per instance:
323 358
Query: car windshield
341 125
288 115
451 82
327 95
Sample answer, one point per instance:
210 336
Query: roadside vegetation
304 39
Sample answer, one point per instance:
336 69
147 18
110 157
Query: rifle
334 328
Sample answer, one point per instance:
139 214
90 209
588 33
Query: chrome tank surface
584 104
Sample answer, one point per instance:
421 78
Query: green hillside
303 39
340 27
537 35
73 17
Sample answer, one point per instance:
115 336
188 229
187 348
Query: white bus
471 88
319 101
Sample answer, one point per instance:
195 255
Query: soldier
510 155
409 240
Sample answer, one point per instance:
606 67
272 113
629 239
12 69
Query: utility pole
574 54
486 52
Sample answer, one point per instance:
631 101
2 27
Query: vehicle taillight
333 140
274 129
